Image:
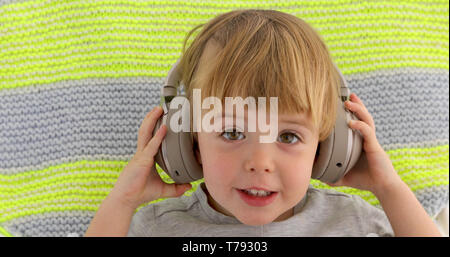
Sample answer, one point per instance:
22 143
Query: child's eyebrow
302 122
299 122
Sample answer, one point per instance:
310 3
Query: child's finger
146 129
335 184
174 190
152 147
141 132
370 140
355 99
361 112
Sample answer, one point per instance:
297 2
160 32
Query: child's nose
253 169
259 160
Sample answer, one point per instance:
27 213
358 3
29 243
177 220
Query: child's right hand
139 181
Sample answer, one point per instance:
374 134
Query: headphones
335 156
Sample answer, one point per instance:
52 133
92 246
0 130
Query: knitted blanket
78 77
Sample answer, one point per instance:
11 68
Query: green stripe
46 45
400 158
83 185
4 232
414 165
321 17
437 178
214 4
146 45
34 210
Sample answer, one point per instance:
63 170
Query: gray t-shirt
321 212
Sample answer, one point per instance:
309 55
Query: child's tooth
258 192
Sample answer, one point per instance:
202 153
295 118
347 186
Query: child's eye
289 138
232 135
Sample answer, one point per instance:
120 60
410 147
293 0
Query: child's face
233 161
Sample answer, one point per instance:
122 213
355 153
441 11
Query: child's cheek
220 168
295 176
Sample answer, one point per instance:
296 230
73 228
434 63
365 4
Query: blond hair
265 53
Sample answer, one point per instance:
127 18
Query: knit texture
78 77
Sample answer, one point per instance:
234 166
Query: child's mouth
254 192
256 197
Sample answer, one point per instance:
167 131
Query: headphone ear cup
176 154
323 156
196 150
340 151
187 146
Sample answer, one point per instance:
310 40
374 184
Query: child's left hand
374 171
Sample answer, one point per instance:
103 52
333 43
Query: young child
262 53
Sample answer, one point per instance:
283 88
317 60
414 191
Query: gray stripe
409 108
51 224
81 119
433 199
73 122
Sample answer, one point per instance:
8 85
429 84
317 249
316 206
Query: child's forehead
303 118
283 119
